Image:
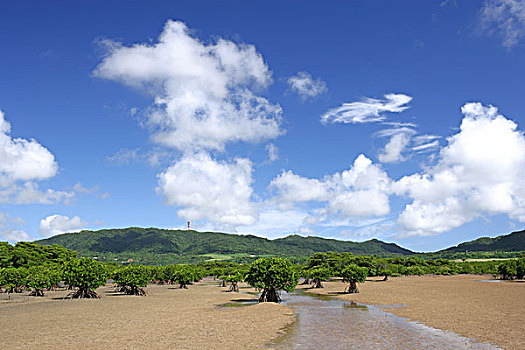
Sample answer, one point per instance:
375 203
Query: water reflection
324 322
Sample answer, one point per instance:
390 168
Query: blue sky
400 121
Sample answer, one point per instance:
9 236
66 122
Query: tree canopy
87 275
132 279
354 274
272 275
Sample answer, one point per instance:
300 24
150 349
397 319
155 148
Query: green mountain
157 246
513 242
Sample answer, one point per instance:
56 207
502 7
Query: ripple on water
330 323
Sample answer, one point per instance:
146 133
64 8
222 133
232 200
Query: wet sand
168 318
489 311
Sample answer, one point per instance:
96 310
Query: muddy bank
492 312
169 318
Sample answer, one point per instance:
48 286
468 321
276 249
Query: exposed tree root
83 293
233 287
136 291
270 295
352 288
140 291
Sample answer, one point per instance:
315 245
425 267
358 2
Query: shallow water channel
325 322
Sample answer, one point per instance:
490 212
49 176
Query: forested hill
146 242
513 242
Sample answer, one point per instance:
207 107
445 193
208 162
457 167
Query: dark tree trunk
306 281
37 293
270 295
234 287
136 291
222 284
121 289
183 285
317 283
352 288
386 278
84 293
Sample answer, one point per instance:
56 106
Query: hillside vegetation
514 242
157 246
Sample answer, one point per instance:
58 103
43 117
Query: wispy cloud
273 152
306 86
10 228
393 151
125 156
426 147
367 110
504 18
402 141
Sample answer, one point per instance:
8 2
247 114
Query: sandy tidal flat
171 318
168 318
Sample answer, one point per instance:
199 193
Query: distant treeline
398 266
39 268
27 254
473 255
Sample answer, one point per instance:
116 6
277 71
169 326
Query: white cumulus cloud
203 93
359 191
22 164
23 160
306 86
368 110
205 188
57 224
479 172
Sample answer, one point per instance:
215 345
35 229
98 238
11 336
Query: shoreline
483 311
